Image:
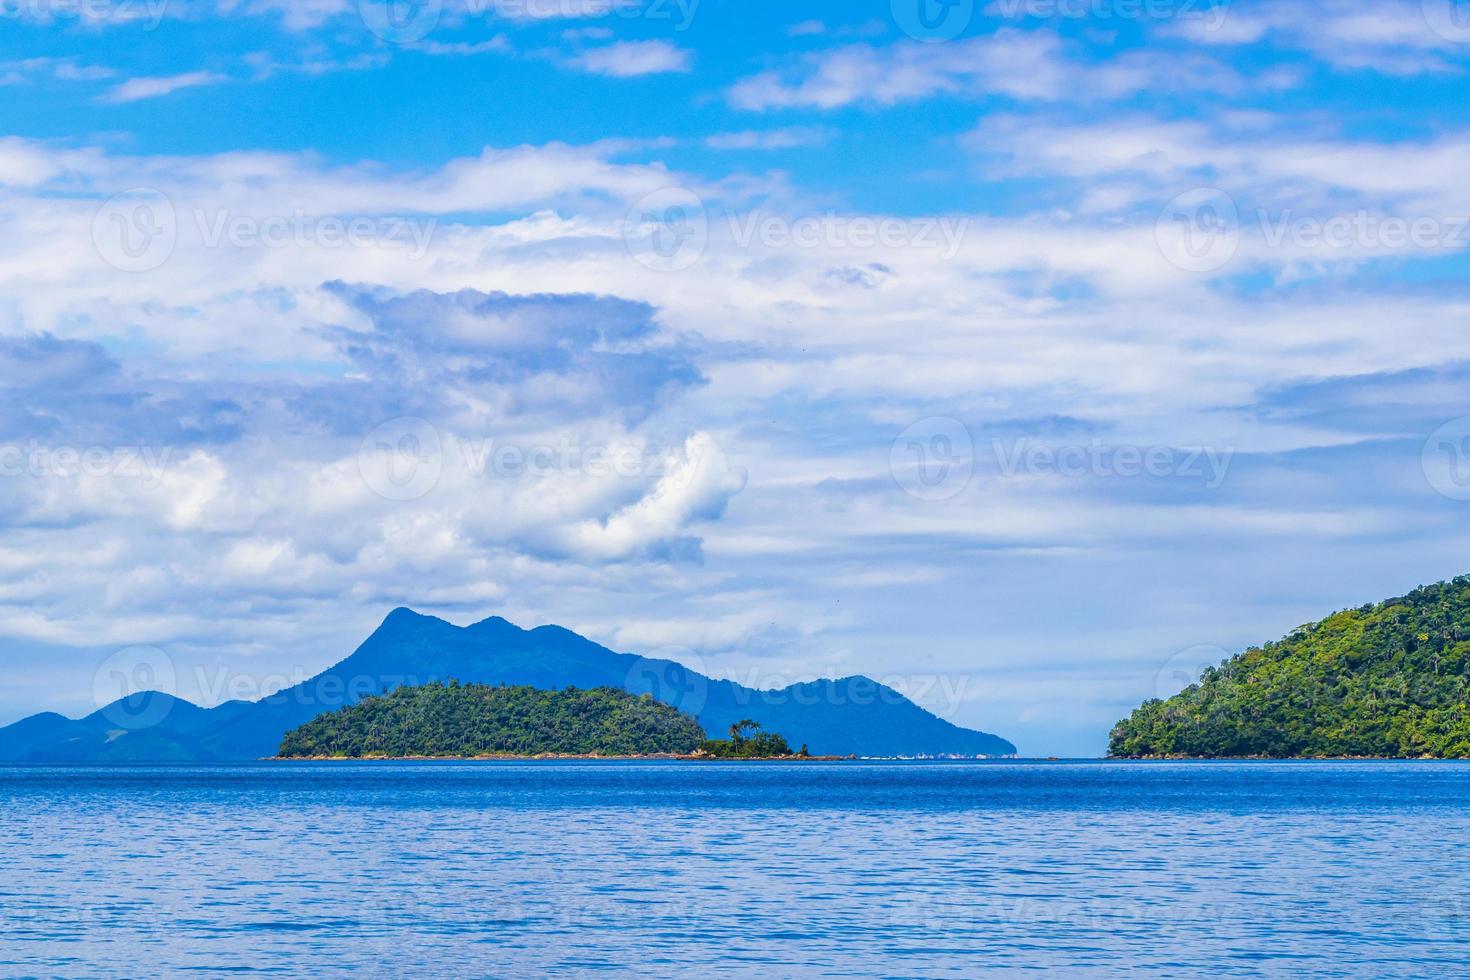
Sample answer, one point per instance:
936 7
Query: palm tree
738 730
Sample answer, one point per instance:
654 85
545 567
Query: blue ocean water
752 869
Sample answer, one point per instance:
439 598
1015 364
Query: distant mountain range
853 715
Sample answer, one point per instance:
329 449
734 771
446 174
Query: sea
668 868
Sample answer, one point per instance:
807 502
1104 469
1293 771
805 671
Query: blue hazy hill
851 715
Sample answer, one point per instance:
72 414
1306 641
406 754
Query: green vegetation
747 741
469 720
1391 680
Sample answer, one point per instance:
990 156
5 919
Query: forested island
747 741
1390 680
468 721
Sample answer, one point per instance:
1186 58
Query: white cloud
790 137
136 89
26 164
561 9
1025 65
499 44
1395 37
314 61
698 485
296 15
1261 158
60 69
629 59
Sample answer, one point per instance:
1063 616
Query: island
747 741
1390 680
451 720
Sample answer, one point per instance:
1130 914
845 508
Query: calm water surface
855 869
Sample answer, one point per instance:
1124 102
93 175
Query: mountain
468 720
1388 680
99 738
853 715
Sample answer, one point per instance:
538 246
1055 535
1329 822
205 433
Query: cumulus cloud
73 391
566 355
533 405
698 484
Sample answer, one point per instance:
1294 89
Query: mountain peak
495 624
142 709
404 618
403 614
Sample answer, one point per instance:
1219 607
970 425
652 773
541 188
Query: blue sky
1024 355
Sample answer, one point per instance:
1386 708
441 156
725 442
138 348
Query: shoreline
555 756
654 757
1286 758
